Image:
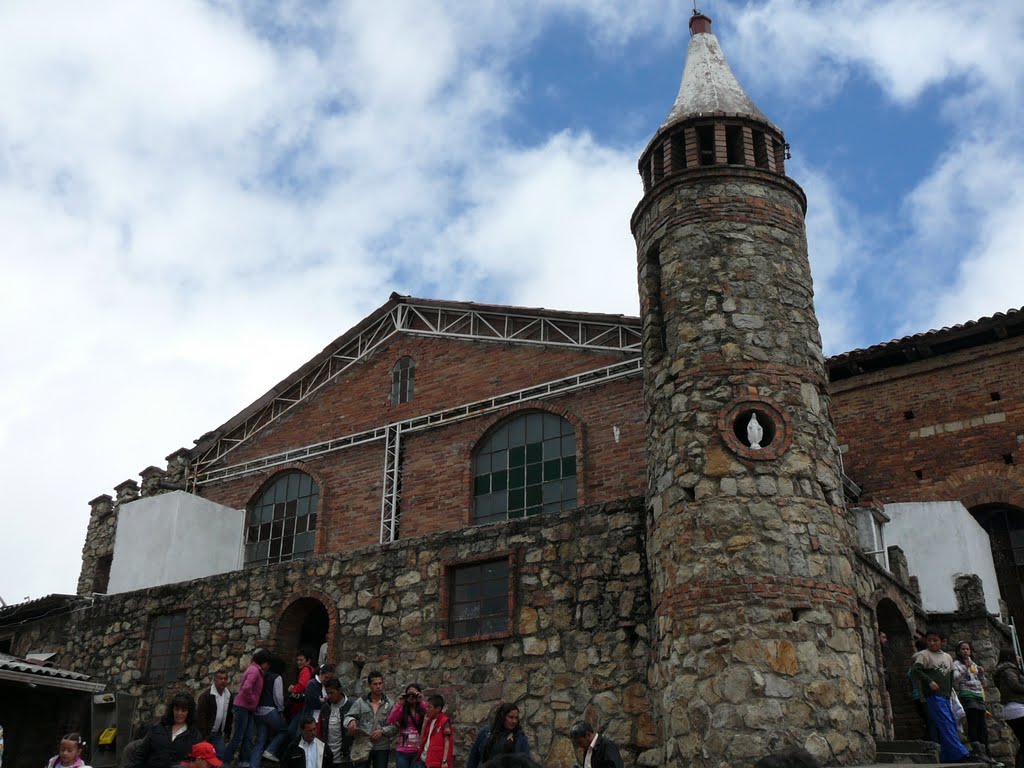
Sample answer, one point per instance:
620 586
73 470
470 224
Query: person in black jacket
169 741
295 755
214 712
332 717
603 752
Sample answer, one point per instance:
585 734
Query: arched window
524 467
403 381
282 520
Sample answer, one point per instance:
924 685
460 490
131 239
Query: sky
196 197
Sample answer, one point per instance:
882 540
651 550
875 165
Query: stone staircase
909 753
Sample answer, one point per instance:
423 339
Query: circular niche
755 429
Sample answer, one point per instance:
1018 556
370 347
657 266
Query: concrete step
917 765
907 745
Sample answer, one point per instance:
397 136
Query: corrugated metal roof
19 670
34 609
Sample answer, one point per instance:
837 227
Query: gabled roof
897 352
423 317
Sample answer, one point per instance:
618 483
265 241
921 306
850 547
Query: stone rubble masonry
579 643
756 642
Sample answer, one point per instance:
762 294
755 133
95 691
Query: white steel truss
625 368
391 494
424 319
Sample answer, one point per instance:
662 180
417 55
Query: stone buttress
748 541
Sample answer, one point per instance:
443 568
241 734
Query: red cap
204 751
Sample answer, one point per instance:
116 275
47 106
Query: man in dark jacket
213 712
598 751
332 716
307 744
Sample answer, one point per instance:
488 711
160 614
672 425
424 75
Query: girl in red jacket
438 746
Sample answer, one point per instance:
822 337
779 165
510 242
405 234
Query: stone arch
496 420
896 656
307 621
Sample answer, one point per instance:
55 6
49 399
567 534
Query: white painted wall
174 537
942 541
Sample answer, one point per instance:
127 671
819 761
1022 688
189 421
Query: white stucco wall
174 537
942 541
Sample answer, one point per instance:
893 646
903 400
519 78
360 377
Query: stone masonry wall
749 550
578 643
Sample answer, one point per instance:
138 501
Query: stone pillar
127 491
151 477
177 469
98 549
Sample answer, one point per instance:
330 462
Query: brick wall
933 429
437 478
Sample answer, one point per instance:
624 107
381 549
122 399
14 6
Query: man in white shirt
213 712
600 752
308 751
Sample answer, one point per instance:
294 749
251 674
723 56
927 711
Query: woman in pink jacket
246 701
408 716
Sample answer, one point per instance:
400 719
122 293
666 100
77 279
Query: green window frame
524 467
282 521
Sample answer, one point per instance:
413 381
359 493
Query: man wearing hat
203 755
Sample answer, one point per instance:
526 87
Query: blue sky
195 197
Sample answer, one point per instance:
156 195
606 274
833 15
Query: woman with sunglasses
408 717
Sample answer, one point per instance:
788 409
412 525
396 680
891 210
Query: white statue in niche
754 432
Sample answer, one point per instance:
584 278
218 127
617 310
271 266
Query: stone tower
749 545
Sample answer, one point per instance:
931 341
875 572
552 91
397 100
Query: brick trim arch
496 419
978 486
262 481
290 616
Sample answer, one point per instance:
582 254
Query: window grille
479 599
403 381
166 643
525 467
282 522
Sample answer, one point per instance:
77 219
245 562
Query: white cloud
195 197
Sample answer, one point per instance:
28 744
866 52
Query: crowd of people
950 695
314 724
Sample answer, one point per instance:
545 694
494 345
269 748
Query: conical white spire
708 83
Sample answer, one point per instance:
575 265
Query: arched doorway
896 658
1005 527
303 626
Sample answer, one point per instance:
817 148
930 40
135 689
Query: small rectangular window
166 645
479 595
734 145
760 149
706 144
678 151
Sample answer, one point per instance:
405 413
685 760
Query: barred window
282 521
403 381
526 466
166 644
478 602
